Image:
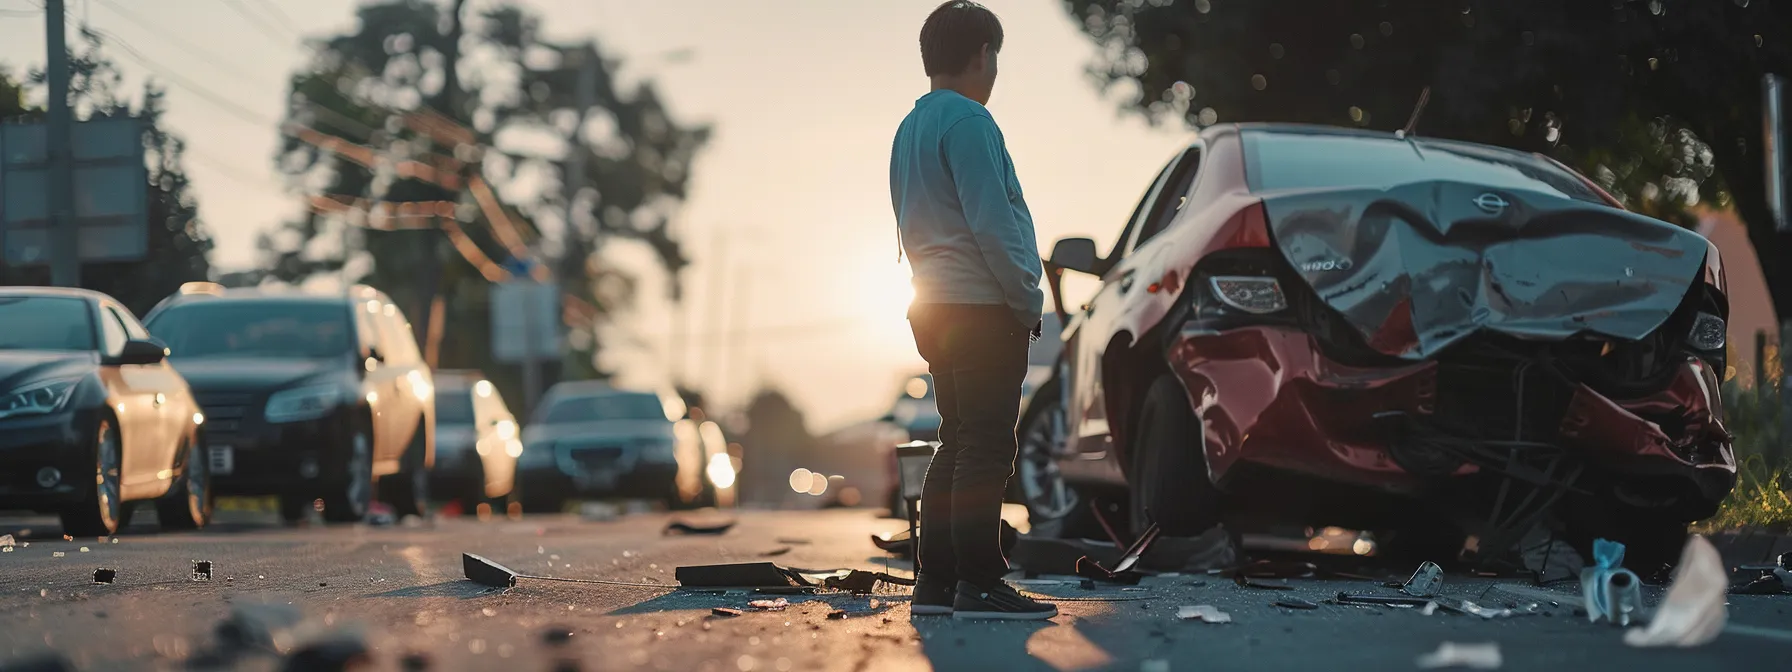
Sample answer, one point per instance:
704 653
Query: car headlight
303 403
38 398
1707 332
1256 295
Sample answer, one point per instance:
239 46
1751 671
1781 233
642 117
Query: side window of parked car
1133 222
112 331
1172 198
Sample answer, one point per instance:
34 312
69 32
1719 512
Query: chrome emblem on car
1490 203
1340 264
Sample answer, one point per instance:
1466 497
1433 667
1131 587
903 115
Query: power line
212 59
260 24
223 102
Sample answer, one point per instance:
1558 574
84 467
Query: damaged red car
1451 343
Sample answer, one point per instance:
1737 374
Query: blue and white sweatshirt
963 222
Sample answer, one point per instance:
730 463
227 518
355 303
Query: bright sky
790 214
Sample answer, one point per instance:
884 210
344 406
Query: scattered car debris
775 552
1693 612
1549 559
725 612
1429 609
202 570
738 575
897 543
1203 612
57 554
1764 582
1612 593
770 605
1295 603
1246 582
837 614
1473 656
6 540
687 527
1382 600
491 574
1122 572
104 575
861 582
1426 581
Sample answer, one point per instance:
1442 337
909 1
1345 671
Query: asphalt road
399 589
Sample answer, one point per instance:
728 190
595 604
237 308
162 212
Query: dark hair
953 35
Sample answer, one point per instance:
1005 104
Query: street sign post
526 329
111 192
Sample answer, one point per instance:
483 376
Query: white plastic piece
1203 612
1693 613
1484 656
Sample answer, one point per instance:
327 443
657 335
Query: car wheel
293 508
347 499
408 490
188 504
1054 508
1170 482
100 507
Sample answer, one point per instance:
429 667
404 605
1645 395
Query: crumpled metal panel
1418 267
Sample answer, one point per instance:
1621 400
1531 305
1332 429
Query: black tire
348 495
188 504
1055 509
1169 479
294 508
100 508
408 490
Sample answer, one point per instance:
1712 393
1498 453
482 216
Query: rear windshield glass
45 323
252 329
607 407
1276 161
454 406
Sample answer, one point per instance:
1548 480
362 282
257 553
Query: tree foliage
179 245
514 92
1634 91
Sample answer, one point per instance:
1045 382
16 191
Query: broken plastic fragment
202 570
485 572
1473 656
103 575
685 527
57 554
1203 612
1295 603
1693 612
1426 581
1612 592
837 614
725 612
6 540
770 605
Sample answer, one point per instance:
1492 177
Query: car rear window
606 407
255 329
45 323
1276 161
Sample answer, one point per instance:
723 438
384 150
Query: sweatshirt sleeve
981 171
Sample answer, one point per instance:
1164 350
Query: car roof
56 292
1280 128
196 292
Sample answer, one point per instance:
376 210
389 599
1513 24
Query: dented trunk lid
1419 266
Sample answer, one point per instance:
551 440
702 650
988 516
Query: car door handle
160 399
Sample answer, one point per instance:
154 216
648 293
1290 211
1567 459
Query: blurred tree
179 246
492 100
1625 89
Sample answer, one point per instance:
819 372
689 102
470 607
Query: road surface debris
1203 612
1426 581
1612 593
202 570
1484 656
1693 612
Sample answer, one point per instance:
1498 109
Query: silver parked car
591 440
477 443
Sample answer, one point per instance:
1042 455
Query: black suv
306 396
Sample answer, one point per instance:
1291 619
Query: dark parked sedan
592 440
92 419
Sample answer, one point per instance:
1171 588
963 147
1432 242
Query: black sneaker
1000 601
933 597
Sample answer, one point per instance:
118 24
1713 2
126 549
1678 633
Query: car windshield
45 323
1280 160
255 329
606 407
454 406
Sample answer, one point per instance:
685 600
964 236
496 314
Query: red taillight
1249 227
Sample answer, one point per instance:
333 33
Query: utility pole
573 271
448 104
65 253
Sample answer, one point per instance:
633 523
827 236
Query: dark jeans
978 358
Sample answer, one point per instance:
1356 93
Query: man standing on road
969 238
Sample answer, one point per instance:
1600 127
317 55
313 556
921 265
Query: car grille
224 412
596 457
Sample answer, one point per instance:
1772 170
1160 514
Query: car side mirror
1076 254
136 352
